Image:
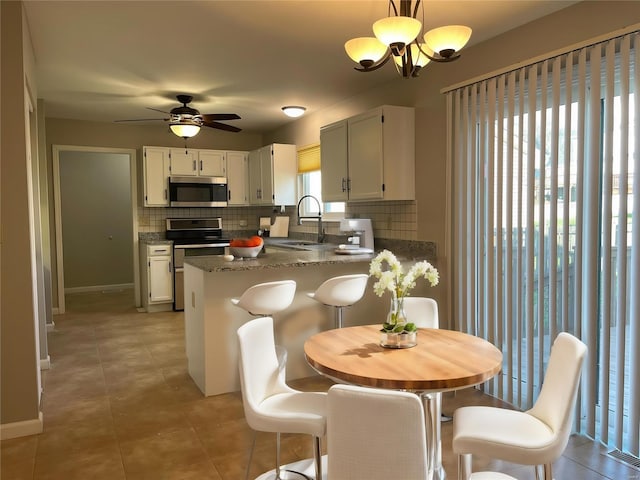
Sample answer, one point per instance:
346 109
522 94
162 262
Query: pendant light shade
418 58
397 30
447 40
367 49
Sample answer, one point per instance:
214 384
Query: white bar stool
339 292
265 299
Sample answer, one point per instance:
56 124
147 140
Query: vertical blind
546 230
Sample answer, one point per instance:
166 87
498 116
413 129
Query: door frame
56 149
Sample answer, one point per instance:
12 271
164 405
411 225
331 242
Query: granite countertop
155 241
275 258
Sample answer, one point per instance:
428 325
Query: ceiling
105 61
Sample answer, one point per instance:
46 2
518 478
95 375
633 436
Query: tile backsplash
391 220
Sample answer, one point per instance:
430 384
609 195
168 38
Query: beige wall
572 25
19 379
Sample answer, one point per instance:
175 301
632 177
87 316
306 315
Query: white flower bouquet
394 280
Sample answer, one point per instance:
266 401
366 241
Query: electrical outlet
243 223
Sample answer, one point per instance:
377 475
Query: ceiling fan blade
142 120
156 110
221 126
210 117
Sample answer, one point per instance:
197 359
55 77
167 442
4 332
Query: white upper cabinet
238 178
379 163
272 175
212 163
333 161
156 176
194 162
184 162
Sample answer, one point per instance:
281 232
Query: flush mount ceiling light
293 111
398 36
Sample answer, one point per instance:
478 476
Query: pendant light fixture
398 36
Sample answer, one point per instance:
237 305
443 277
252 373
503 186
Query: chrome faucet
318 218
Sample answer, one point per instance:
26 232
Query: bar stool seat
339 292
265 299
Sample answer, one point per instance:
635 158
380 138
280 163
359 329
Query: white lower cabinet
157 277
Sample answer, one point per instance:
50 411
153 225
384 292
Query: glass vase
396 315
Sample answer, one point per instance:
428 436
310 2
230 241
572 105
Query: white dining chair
270 405
535 437
375 434
340 292
422 311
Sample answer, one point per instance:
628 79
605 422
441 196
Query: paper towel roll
280 227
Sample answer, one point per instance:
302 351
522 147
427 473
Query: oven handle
201 245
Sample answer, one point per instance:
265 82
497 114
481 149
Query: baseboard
52 326
98 288
45 363
21 429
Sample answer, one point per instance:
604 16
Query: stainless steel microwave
198 191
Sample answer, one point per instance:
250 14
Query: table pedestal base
305 468
432 404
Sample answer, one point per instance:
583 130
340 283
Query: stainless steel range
192 237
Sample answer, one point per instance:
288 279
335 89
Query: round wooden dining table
442 360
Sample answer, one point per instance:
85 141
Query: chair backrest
422 311
375 434
343 290
267 298
259 373
557 399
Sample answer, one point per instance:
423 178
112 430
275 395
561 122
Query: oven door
179 254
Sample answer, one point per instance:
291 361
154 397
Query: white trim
21 429
56 149
45 363
99 288
545 56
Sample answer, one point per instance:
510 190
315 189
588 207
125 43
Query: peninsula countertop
276 258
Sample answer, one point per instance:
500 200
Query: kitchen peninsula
211 320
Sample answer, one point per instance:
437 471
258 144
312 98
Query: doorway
95 215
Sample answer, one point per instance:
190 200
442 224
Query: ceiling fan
185 121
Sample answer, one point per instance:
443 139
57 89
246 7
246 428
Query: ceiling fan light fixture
449 40
185 128
294 111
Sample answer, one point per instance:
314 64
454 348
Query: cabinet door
365 156
333 155
156 176
160 279
238 178
284 171
255 177
184 162
212 163
266 173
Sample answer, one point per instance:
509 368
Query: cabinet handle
344 184
229 195
165 193
200 165
194 166
169 267
348 184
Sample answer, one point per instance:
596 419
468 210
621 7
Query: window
310 183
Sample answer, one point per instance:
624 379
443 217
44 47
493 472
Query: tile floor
118 403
